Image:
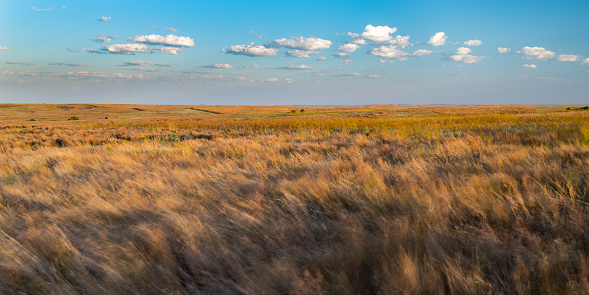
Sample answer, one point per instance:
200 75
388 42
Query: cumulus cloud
5 48
586 61
531 66
19 63
390 51
125 49
438 39
474 42
169 40
302 43
141 64
297 68
538 53
357 38
321 58
503 49
251 50
462 55
301 53
341 55
218 66
103 18
568 57
463 50
350 47
73 65
378 33
421 52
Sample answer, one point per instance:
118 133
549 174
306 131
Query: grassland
136 199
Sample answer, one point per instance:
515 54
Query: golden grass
333 201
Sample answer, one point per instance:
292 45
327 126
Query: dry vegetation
258 200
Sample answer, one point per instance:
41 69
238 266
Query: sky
272 52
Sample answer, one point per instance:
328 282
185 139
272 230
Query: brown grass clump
457 201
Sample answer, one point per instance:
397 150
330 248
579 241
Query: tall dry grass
459 205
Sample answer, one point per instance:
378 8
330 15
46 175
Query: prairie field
149 199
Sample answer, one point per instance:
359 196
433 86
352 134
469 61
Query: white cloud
503 49
250 67
169 40
5 48
341 55
351 47
372 76
142 69
123 49
421 52
586 61
438 39
568 57
463 50
172 30
103 18
347 61
474 42
378 33
465 58
19 63
297 67
357 39
349 75
302 43
251 50
44 9
166 49
276 80
218 66
390 51
538 53
321 58
531 66
141 64
301 53
402 41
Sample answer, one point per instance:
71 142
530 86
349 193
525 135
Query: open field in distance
145 199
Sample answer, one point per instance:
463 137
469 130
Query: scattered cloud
301 53
421 52
341 55
503 49
378 33
249 67
123 49
538 53
585 61
390 51
462 55
5 48
72 65
251 50
90 50
372 77
346 61
141 64
474 42
142 69
276 80
45 9
218 66
357 38
531 66
104 38
297 68
103 19
568 57
302 43
95 76
172 30
438 39
350 47
169 40
165 49
321 58
19 63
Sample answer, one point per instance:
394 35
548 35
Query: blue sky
294 52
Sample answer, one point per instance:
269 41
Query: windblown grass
467 200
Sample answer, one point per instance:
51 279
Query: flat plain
148 199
